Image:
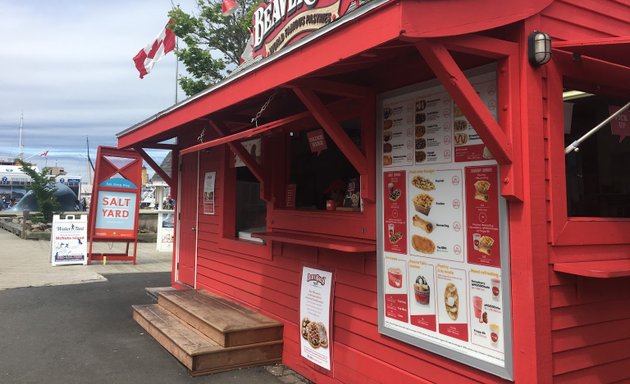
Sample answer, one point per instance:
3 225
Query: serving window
598 184
320 176
244 212
590 188
250 209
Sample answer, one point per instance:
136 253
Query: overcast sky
67 66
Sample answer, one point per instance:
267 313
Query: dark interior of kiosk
322 176
251 210
598 181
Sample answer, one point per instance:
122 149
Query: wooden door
187 226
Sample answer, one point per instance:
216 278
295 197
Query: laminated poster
69 240
208 193
315 305
441 277
165 231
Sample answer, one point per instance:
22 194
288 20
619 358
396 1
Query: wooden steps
208 333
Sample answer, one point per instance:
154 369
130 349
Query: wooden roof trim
289 66
454 80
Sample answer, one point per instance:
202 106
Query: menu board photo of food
422 289
487 321
396 298
441 227
397 142
437 214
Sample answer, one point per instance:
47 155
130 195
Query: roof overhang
371 25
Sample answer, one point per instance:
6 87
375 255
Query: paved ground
56 329
26 263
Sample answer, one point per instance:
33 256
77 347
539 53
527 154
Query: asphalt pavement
73 324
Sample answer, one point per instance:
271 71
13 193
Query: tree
214 43
44 189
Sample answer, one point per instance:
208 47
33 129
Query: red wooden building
562 220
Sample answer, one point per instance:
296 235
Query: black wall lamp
539 48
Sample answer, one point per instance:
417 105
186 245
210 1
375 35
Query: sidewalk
26 263
62 332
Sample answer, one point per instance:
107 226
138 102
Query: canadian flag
44 154
155 50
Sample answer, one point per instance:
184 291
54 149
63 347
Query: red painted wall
361 354
590 318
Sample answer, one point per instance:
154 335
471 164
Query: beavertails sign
278 23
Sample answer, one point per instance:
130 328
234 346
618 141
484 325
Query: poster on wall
165 231
115 214
209 181
315 312
68 240
442 225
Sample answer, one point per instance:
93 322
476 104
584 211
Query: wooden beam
246 133
509 114
333 129
250 162
155 166
368 141
464 95
158 146
333 88
175 181
481 46
610 75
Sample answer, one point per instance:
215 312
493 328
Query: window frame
228 241
361 224
565 229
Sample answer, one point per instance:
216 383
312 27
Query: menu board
442 224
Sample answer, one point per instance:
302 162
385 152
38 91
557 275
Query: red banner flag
155 50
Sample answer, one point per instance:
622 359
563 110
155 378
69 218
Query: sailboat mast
20 143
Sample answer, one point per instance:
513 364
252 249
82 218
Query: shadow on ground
85 334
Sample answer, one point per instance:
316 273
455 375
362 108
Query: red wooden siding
590 318
585 19
361 354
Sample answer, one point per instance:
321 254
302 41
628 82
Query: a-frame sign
115 202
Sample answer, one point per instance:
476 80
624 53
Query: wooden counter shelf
599 269
338 243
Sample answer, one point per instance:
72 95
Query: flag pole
176 58
176 67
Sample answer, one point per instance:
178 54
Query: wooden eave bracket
250 162
155 167
337 134
500 142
